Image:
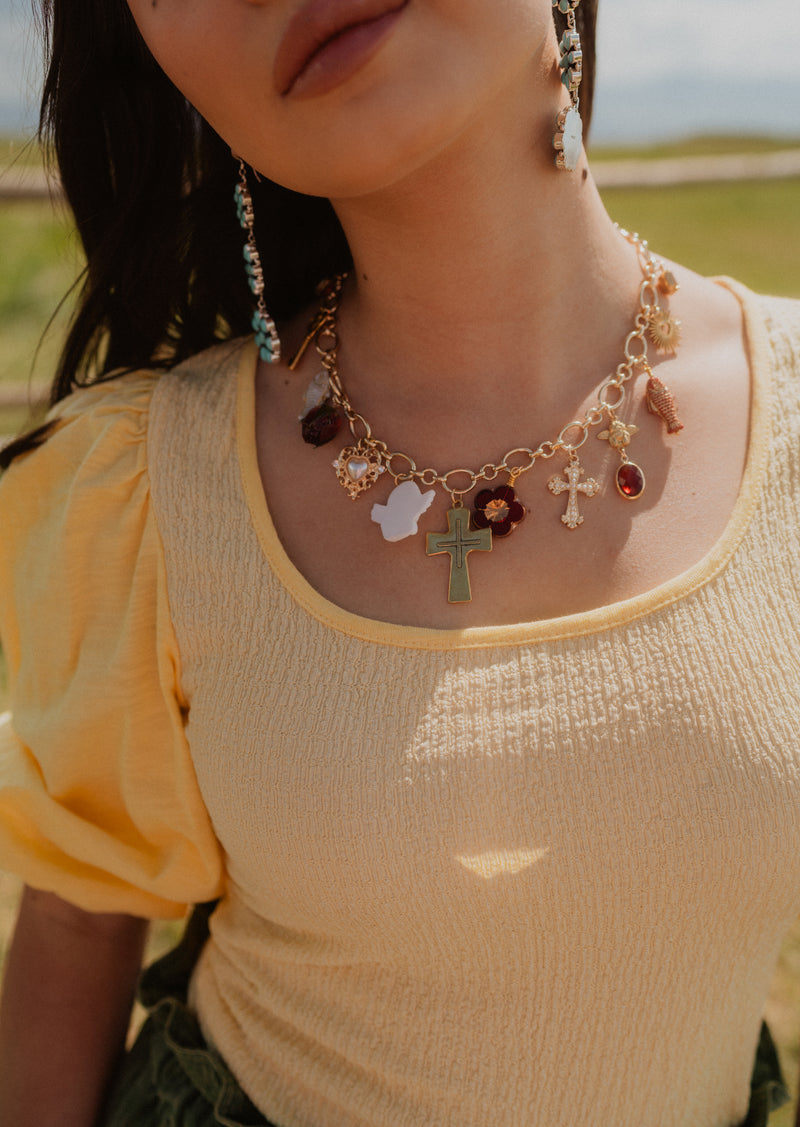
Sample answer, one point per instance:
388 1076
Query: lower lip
343 56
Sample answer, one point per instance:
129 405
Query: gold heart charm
357 468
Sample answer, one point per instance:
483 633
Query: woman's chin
369 166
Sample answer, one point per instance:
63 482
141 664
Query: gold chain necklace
496 511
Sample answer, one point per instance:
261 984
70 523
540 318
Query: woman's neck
487 266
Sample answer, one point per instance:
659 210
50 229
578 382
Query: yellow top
99 801
532 875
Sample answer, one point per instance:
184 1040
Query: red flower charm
498 509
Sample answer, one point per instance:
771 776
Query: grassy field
40 261
700 146
748 230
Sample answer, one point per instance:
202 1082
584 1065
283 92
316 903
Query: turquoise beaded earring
266 334
568 140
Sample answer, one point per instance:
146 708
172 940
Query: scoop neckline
540 630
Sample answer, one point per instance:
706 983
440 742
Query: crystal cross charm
572 518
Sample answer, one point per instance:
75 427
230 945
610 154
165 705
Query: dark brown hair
150 187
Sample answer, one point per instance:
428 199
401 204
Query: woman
494 770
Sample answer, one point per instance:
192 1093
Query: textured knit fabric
532 875
172 1078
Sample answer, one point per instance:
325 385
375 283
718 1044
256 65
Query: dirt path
18 183
668 171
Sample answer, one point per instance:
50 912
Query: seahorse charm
661 402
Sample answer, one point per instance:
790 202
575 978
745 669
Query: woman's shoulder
778 316
782 319
733 329
723 303
84 603
772 334
128 394
104 424
93 436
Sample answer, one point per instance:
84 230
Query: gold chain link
326 340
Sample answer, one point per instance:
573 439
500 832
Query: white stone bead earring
568 141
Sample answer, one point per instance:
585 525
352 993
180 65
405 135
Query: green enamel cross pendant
458 542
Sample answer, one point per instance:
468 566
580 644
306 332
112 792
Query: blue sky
668 68
665 69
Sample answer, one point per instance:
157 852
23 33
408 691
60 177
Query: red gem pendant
630 481
321 424
498 509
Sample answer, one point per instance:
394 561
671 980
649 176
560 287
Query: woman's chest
358 773
358 788
410 557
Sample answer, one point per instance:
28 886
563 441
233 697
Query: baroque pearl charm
316 394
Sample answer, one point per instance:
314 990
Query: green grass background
749 230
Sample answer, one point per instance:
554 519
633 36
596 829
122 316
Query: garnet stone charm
629 478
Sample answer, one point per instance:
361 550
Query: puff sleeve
98 798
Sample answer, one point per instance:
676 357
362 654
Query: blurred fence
666 171
31 183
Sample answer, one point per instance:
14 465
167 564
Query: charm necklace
497 511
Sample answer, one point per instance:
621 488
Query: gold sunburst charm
664 330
